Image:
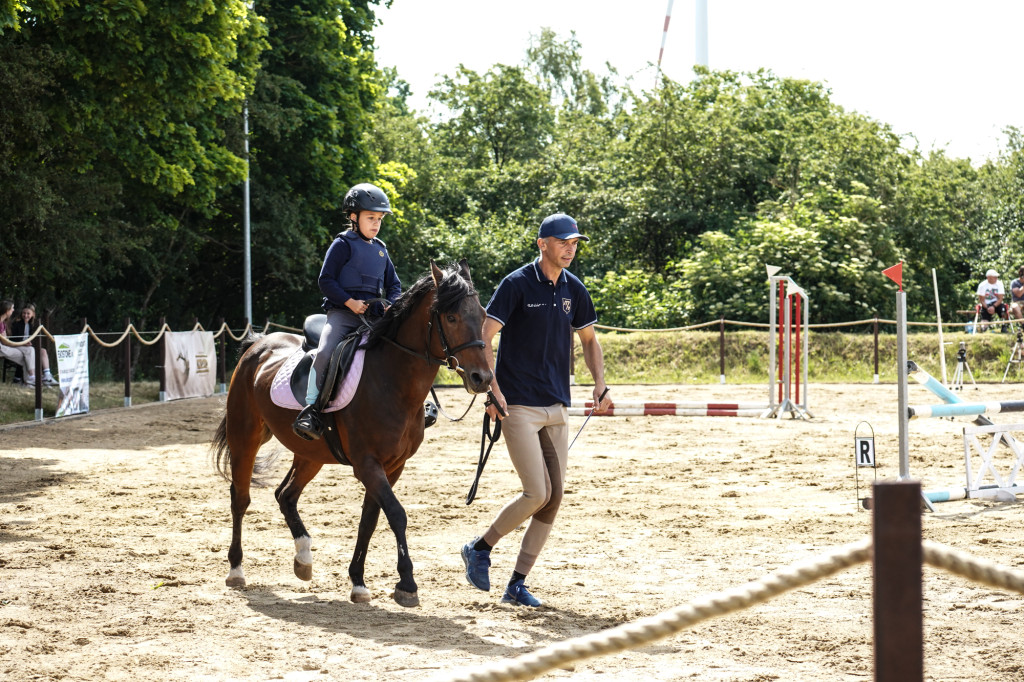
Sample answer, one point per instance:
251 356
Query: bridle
449 360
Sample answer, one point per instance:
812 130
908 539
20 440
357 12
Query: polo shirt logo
567 305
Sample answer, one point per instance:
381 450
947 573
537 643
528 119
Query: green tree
130 101
497 117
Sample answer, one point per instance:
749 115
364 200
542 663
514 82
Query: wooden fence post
161 349
127 364
896 563
721 350
876 349
37 345
222 355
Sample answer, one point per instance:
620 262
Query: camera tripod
1017 354
961 367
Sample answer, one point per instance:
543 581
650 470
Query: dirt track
114 531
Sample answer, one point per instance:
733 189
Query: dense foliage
122 160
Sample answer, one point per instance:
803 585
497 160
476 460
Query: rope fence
130 332
765 325
644 631
145 338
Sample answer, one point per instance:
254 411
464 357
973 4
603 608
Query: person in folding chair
357 268
536 308
990 299
1017 296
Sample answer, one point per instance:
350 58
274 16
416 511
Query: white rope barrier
646 630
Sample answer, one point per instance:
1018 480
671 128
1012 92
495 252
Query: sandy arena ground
114 531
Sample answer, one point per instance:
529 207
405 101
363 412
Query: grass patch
834 357
17 402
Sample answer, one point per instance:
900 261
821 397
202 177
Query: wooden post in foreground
896 563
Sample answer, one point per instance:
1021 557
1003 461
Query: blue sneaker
478 564
516 593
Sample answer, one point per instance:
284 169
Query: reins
450 361
487 440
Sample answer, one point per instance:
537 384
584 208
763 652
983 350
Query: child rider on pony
357 268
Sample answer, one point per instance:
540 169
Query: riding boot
309 425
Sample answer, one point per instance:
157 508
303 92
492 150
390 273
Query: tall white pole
664 37
938 319
702 32
245 219
901 380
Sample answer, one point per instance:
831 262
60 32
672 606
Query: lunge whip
589 414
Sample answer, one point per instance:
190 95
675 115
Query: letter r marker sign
865 451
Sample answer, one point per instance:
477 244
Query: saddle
341 361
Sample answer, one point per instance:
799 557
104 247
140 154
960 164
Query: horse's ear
436 273
464 268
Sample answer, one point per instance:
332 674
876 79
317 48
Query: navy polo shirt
539 317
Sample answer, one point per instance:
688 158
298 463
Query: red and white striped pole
664 36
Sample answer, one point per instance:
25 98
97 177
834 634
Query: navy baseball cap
560 226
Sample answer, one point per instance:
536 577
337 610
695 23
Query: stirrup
308 425
429 414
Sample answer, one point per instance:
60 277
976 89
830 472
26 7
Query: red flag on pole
895 273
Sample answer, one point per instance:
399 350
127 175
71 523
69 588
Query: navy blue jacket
359 269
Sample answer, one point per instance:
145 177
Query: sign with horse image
190 364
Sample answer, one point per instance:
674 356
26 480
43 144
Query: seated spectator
22 355
990 298
22 329
1017 295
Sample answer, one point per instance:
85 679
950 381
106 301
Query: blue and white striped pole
964 409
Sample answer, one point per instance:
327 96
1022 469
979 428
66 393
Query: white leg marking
303 554
236 576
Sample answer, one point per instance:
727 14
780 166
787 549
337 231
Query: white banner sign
190 364
73 370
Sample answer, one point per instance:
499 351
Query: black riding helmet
365 197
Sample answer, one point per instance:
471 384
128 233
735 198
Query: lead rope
487 441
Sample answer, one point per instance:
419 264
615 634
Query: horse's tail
251 337
262 466
221 451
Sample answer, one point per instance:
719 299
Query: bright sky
947 72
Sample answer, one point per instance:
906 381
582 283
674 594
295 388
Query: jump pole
655 409
939 389
964 409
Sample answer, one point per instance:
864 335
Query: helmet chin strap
359 231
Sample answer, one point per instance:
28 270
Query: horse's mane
451 291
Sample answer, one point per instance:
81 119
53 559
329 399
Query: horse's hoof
303 571
407 599
236 577
360 595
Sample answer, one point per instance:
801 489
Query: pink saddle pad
281 391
